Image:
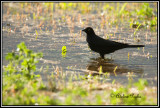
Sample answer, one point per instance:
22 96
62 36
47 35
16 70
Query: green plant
137 29
145 15
19 78
64 50
145 11
141 84
22 62
122 10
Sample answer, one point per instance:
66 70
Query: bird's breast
92 47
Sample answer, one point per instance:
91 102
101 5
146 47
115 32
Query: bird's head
89 31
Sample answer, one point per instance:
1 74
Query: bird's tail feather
136 46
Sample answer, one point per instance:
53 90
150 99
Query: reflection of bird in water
108 66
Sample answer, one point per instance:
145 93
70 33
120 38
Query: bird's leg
102 56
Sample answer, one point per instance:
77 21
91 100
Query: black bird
103 46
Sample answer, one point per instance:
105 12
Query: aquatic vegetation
115 71
145 11
137 29
36 34
64 50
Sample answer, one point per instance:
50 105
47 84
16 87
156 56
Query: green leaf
36 34
10 56
122 9
113 81
64 50
100 70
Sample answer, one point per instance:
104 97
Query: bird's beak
84 30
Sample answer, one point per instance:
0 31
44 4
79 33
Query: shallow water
79 58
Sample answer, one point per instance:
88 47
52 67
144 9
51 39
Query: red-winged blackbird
103 46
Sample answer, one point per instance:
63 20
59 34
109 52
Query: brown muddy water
63 28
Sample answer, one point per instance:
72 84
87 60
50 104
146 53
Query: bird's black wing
99 44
